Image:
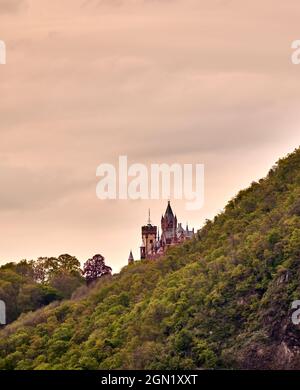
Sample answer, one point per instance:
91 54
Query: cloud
118 3
12 6
167 81
28 189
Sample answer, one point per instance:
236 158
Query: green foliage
219 301
29 285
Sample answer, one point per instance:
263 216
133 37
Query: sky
160 81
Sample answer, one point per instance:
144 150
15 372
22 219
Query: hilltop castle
172 233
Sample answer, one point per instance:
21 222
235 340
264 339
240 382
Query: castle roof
130 256
169 212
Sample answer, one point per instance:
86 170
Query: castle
172 233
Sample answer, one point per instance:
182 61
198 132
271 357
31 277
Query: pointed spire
169 211
130 258
149 217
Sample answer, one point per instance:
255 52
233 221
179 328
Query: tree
20 291
68 265
95 268
48 268
44 267
66 283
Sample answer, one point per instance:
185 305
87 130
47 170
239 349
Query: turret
130 258
149 234
169 226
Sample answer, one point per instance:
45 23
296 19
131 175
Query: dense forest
222 300
29 285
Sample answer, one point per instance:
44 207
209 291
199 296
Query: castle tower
169 227
155 244
149 234
130 258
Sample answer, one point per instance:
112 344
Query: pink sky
185 81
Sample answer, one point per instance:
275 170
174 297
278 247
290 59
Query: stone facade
172 233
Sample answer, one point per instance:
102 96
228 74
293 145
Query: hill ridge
222 300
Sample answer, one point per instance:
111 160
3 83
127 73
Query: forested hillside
222 300
29 285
